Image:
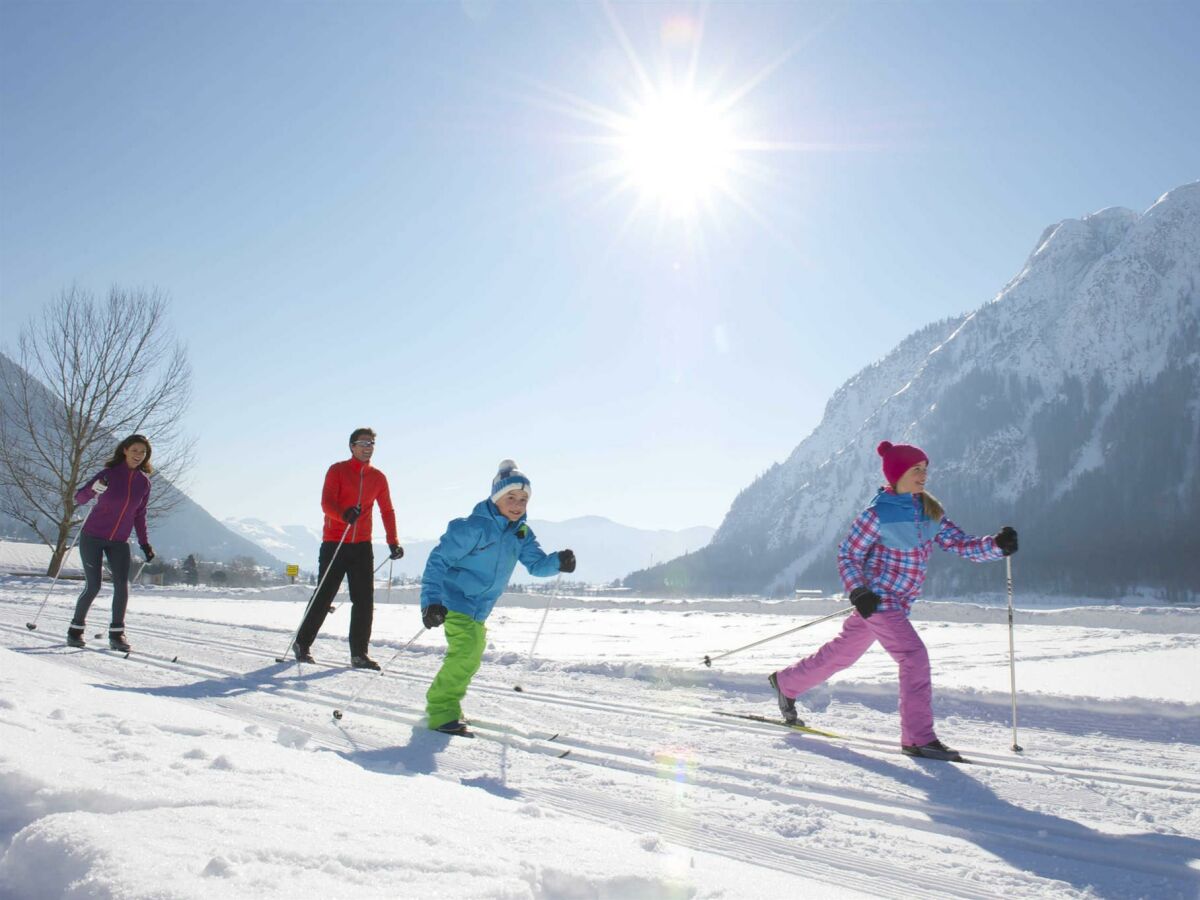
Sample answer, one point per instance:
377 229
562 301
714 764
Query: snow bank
107 794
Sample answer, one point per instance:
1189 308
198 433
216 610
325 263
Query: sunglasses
364 443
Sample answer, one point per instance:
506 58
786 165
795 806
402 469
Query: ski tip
564 754
280 660
518 689
174 659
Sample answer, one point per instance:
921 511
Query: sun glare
677 150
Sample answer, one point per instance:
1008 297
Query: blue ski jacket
471 565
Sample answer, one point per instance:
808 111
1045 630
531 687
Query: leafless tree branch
89 372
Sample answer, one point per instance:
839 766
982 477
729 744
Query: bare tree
90 372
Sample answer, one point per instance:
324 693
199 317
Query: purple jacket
121 508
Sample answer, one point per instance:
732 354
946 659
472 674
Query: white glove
99 486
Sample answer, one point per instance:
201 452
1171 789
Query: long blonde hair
933 508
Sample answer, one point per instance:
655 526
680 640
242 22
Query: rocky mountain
606 550
1067 406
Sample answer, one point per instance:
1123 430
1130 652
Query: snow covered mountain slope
199 767
1068 406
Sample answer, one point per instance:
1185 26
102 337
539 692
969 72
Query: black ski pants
357 563
91 551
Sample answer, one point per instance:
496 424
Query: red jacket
352 483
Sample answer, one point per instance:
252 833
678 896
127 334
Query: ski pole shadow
265 679
1144 864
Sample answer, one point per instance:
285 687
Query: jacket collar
889 497
356 466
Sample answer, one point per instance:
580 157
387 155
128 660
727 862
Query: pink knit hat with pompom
898 459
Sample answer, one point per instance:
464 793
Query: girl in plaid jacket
882 565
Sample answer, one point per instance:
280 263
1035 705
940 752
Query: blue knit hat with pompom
508 478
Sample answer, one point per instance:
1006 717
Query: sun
677 149
672 130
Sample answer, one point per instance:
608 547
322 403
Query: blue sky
425 218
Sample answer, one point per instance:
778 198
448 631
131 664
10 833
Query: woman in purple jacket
123 488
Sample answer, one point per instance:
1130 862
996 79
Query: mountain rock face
1068 407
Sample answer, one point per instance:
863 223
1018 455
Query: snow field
226 771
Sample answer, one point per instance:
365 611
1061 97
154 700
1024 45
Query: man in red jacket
351 489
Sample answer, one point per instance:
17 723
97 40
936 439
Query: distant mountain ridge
605 549
1069 406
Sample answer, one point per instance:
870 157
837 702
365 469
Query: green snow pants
465 639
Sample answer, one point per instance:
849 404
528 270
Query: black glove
566 561
433 615
147 551
396 551
865 600
351 515
1006 540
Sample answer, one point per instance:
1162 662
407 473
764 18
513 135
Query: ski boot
456 728
935 749
116 641
302 654
787 705
362 661
75 637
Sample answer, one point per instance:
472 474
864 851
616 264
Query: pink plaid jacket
889 546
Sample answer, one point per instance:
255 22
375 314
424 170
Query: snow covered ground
200 767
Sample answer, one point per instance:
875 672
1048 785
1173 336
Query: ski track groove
689 718
777 853
856 803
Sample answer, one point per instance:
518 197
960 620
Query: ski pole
32 626
337 713
317 590
708 660
545 613
1012 663
333 609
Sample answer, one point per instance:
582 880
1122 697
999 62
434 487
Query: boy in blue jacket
466 574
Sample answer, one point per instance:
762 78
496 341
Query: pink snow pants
897 636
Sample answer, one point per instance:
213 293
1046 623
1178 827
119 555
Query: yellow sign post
292 571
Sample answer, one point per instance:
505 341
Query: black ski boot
935 749
302 654
456 728
362 661
116 641
75 637
787 706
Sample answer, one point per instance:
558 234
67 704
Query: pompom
884 447
506 466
